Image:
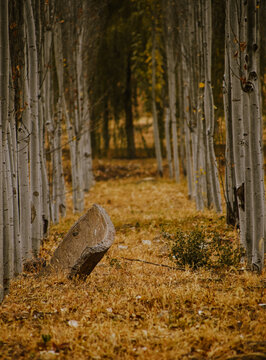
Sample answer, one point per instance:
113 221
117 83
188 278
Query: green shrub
193 249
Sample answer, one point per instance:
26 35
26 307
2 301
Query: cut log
85 244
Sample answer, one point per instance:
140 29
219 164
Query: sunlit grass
129 310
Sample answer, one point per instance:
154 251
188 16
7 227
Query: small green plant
193 249
46 338
190 249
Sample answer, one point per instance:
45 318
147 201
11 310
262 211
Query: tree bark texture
35 168
171 73
157 144
4 80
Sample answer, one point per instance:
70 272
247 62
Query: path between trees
128 310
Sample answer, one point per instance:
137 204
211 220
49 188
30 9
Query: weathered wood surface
85 244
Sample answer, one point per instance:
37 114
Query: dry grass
131 310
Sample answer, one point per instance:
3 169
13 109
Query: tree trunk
131 152
35 176
247 193
168 142
24 131
8 220
172 83
237 115
157 144
255 138
209 107
13 151
187 122
230 182
4 82
106 135
47 95
181 118
59 201
87 151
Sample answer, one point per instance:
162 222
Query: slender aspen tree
46 96
242 25
86 149
199 154
8 219
84 110
196 102
205 165
168 142
24 131
237 114
44 51
35 168
72 105
209 106
230 182
12 151
255 137
59 206
158 152
172 82
185 105
242 43
181 119
4 94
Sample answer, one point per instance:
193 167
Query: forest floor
130 309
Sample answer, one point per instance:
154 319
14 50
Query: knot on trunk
248 87
253 76
240 193
255 47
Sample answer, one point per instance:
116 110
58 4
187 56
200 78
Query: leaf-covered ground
133 310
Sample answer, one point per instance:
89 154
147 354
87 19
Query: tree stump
85 244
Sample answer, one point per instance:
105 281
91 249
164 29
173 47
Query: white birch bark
195 100
59 183
12 148
200 185
185 82
158 152
172 83
72 119
79 188
35 176
230 184
247 191
42 119
46 97
83 113
255 138
181 118
4 80
87 151
8 229
168 142
205 166
24 130
237 114
209 107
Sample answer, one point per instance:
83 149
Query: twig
152 263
